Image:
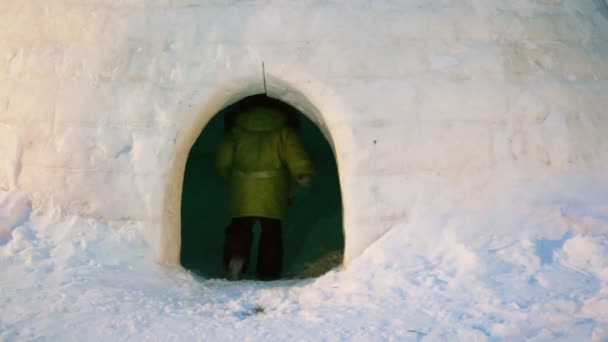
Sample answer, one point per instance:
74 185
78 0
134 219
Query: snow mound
15 210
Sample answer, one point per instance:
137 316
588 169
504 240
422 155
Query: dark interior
314 223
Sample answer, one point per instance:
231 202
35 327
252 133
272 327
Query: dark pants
239 236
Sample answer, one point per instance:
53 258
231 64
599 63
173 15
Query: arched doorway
312 229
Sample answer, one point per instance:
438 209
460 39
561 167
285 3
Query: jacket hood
261 119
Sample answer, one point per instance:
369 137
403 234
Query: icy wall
101 100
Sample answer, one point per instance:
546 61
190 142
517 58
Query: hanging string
264 76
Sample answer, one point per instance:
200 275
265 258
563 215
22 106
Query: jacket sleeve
294 154
225 156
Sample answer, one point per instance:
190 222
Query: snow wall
423 101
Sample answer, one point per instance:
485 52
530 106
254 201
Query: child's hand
305 180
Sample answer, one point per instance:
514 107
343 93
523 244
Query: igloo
421 101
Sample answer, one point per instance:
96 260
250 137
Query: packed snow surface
101 100
528 263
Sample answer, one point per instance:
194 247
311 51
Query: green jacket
257 157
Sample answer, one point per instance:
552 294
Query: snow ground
529 264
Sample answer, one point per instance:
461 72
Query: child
257 156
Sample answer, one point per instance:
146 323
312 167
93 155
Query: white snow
457 93
530 264
470 137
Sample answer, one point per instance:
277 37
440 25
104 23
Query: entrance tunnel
313 238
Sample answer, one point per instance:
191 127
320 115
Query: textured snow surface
530 263
433 98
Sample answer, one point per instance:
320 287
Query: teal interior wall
313 226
